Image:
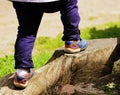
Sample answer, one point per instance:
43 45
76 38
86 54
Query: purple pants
29 17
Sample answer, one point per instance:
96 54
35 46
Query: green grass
108 30
6 65
44 46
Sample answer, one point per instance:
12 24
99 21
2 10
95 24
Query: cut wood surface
86 66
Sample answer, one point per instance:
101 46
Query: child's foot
22 76
75 46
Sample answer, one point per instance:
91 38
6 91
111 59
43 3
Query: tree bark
86 66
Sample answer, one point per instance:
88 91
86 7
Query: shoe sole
69 50
19 85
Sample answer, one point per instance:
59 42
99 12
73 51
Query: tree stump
86 66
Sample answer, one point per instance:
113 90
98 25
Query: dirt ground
92 12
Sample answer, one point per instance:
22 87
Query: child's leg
29 18
70 19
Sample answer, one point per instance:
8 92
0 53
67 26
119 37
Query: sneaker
22 76
75 46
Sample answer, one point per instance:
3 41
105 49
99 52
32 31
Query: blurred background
92 12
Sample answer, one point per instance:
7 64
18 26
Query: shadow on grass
110 32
